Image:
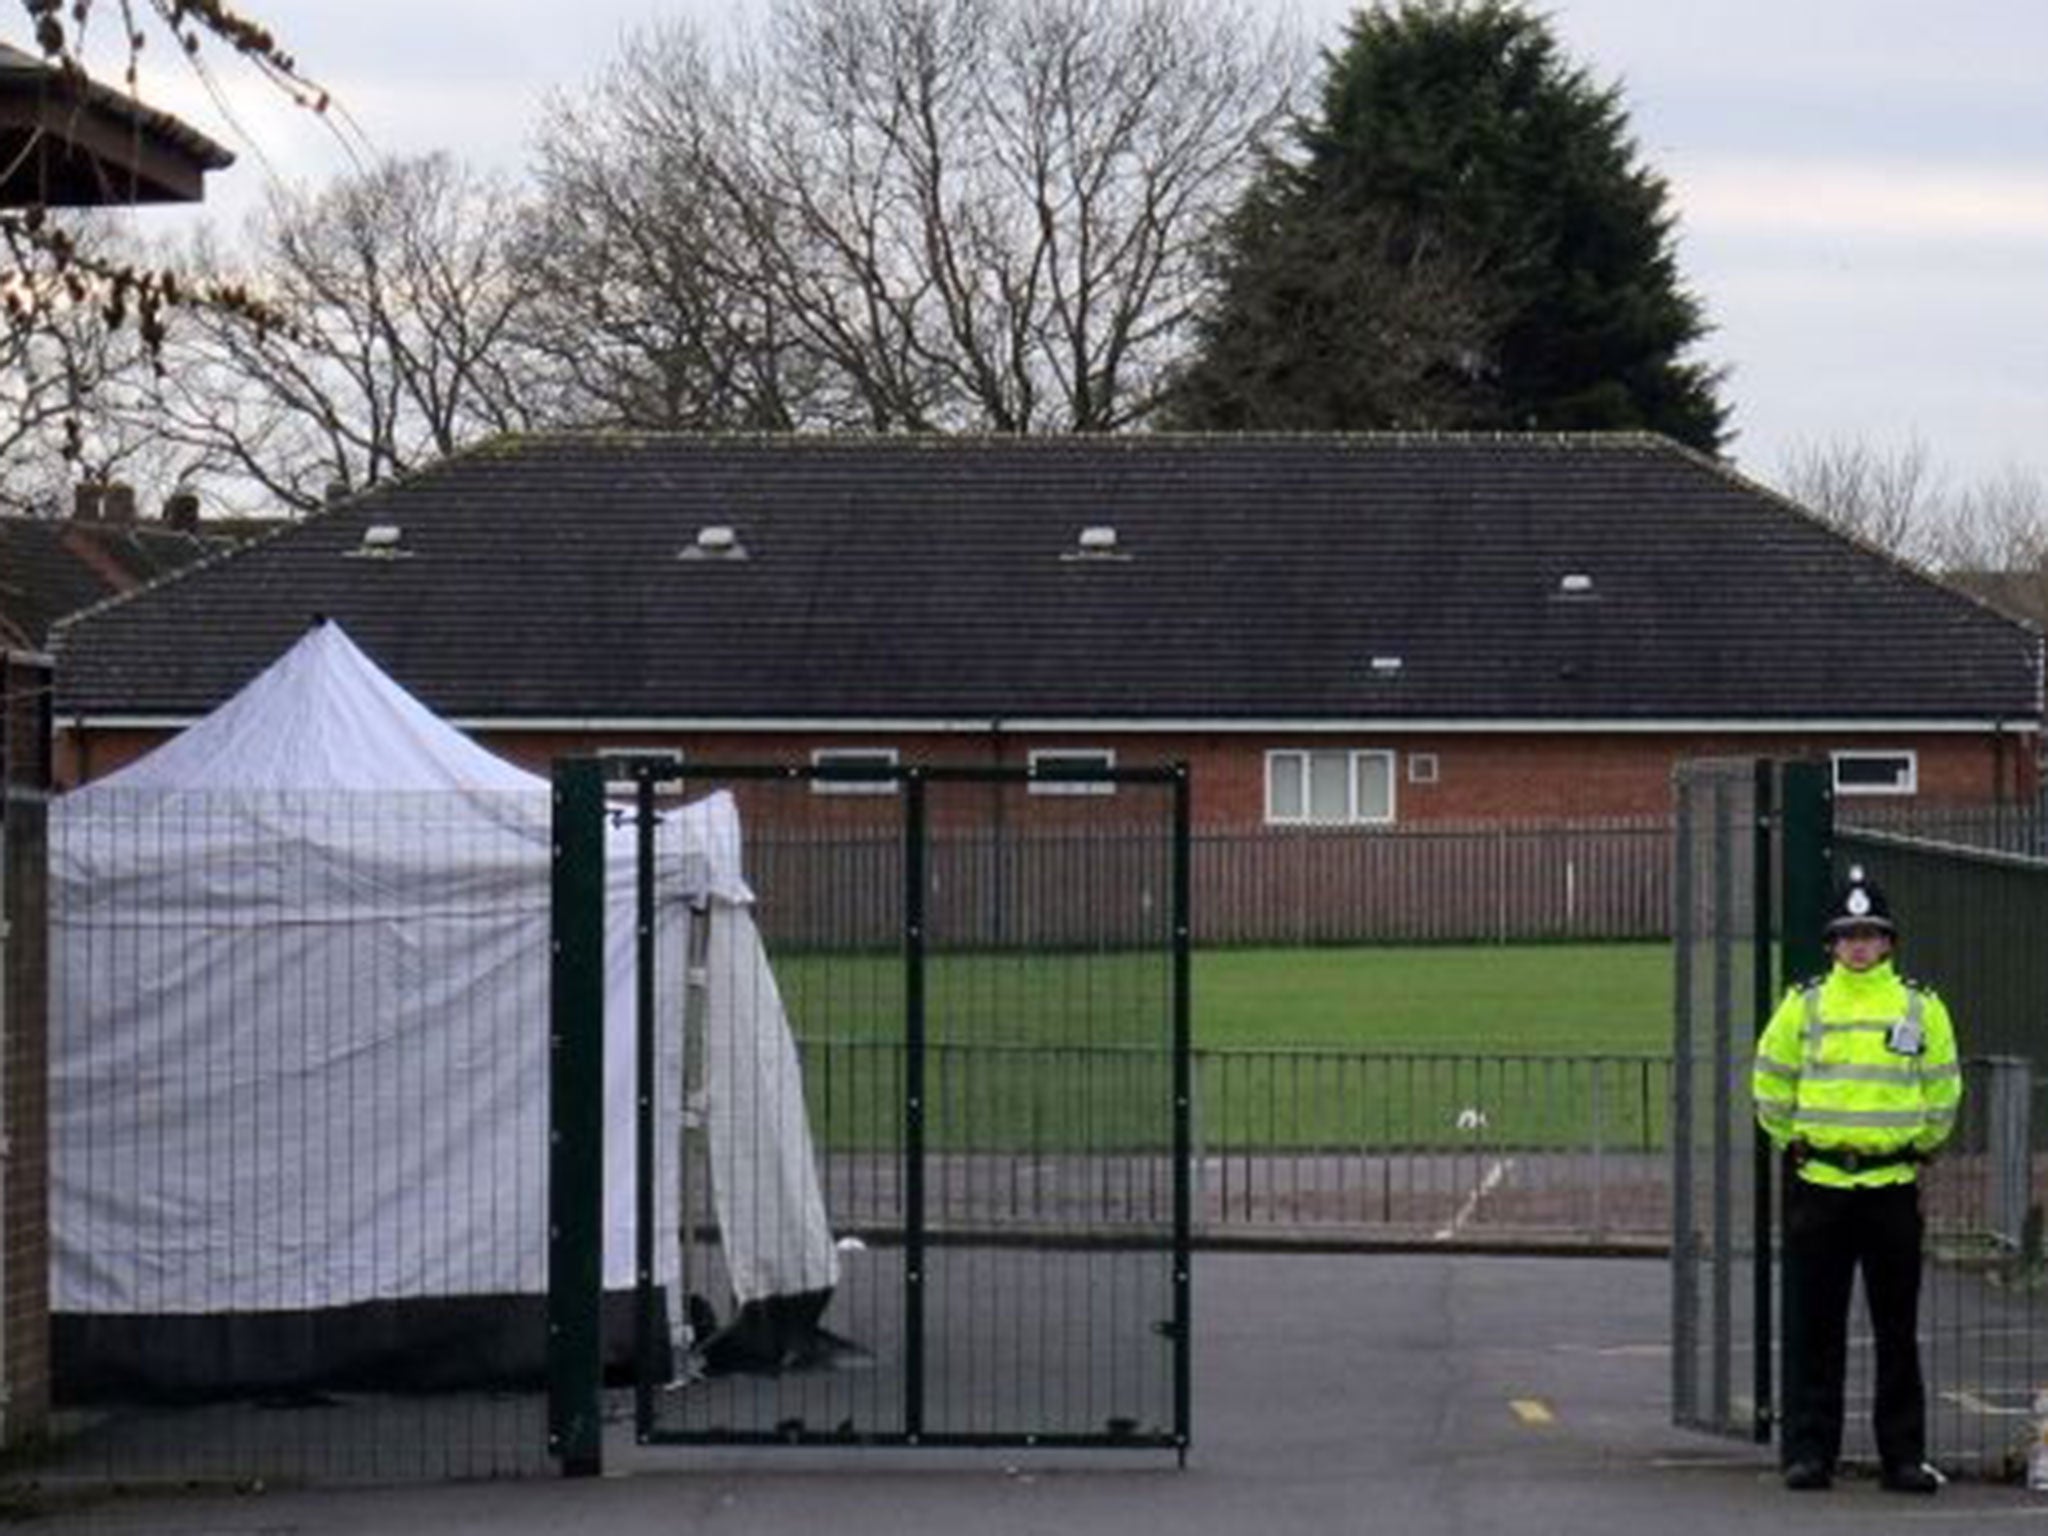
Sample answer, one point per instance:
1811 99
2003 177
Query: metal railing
1291 1147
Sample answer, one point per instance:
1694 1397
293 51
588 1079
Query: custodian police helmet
1860 904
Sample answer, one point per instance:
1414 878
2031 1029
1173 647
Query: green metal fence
1759 847
982 1235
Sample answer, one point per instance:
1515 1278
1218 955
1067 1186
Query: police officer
1856 1082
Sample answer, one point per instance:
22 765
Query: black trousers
1829 1235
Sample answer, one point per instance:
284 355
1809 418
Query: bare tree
405 296
1891 498
1995 543
1989 537
929 214
66 350
649 312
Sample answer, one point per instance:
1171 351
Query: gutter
946 725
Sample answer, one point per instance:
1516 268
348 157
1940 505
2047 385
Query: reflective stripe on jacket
1835 1070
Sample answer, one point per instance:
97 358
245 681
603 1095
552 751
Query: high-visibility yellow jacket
1837 1071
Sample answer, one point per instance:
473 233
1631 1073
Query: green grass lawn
1067 1050
1578 999
1572 999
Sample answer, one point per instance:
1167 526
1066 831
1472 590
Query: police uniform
1856 1081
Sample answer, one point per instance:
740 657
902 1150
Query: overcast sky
1862 185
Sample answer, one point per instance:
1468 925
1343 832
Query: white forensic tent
300 982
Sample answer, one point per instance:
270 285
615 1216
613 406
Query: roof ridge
1085 441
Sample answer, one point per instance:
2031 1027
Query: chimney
85 501
181 512
118 503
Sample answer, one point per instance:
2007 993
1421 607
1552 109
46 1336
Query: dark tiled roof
1254 578
2021 593
50 569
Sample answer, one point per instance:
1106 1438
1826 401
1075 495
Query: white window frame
1424 768
872 756
1074 757
1304 757
1906 783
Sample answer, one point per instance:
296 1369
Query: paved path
1416 1395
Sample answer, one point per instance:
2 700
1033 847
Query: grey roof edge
1055 442
1891 557
210 152
116 599
952 724
286 527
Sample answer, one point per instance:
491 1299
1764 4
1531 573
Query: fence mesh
986 1020
24 1169
297 1132
1045 987
1716 920
1972 911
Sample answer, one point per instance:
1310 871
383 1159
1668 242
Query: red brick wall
1480 776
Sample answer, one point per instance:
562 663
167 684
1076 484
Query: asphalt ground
1412 1394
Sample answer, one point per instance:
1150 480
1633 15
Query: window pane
1329 796
1875 772
855 757
1869 770
1063 759
1283 786
1375 774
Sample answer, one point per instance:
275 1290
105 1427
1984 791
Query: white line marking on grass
1500 1168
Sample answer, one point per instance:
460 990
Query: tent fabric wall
300 1018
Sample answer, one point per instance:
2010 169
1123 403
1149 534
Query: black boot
1802 1476
1911 1477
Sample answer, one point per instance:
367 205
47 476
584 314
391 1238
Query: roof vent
1096 542
381 541
1575 584
715 541
1386 666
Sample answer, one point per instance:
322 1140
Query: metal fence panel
987 987
24 1018
298 1133
1971 918
1716 921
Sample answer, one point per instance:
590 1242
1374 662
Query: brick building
1334 631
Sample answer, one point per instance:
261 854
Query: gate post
1805 868
915 884
1807 871
576 1120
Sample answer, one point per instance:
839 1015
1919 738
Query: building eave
1129 726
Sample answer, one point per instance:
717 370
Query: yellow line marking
1532 1411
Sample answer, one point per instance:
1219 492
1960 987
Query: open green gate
1758 851
984 974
